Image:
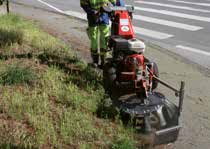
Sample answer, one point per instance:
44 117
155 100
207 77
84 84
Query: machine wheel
170 112
155 120
156 73
109 76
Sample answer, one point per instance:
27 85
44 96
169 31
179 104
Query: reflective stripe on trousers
99 32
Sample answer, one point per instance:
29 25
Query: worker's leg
104 32
93 36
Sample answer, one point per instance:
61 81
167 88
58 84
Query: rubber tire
109 76
156 73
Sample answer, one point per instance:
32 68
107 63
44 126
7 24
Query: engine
131 68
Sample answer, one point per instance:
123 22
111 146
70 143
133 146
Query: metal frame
170 134
178 92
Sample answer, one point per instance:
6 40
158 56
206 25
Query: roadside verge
48 97
195 118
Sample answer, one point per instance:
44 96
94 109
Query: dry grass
48 98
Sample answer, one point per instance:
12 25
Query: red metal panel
125 28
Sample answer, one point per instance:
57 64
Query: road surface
183 27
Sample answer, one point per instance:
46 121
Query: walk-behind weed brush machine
130 80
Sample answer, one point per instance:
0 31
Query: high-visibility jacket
95 4
90 6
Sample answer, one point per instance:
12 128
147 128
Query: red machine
130 79
128 54
124 27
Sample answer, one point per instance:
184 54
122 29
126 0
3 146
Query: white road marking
167 23
173 6
70 13
193 50
151 33
187 2
138 30
76 14
141 31
49 5
176 14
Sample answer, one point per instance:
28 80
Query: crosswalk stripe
193 3
138 30
173 6
167 23
151 33
193 50
176 14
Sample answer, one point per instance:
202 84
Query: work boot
103 57
95 58
102 61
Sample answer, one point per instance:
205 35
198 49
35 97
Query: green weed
9 37
123 143
15 74
55 107
76 126
10 146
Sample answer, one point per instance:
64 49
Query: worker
98 24
120 3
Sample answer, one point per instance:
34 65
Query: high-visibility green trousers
95 34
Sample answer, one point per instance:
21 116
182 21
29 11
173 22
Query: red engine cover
128 67
130 61
125 28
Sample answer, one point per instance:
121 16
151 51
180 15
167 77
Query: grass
123 143
48 98
16 74
9 37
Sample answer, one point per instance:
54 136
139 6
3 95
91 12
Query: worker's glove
94 12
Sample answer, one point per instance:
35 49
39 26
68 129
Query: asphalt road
180 26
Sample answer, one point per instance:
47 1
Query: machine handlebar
110 9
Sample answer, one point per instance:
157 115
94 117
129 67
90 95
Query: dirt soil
195 118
